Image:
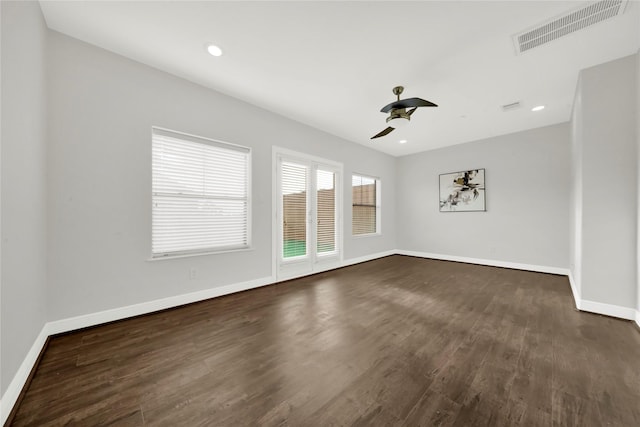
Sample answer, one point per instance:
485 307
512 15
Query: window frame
378 205
187 137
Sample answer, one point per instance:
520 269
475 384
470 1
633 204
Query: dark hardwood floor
397 341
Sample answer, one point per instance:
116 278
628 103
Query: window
200 195
366 205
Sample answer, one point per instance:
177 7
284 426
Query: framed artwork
462 191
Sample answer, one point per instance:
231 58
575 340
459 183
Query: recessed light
403 141
214 50
538 108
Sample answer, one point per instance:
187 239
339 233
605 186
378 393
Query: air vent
512 106
568 23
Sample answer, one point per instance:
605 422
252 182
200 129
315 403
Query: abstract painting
462 191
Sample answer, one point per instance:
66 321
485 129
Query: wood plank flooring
399 341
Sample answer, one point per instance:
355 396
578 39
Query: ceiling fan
398 114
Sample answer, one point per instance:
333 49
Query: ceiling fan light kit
399 119
398 114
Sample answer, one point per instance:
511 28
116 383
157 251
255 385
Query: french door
308 215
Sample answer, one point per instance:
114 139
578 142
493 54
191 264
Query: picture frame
463 191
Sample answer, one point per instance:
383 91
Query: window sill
360 236
168 257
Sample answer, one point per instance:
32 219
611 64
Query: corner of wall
11 395
2 411
638 178
575 289
24 140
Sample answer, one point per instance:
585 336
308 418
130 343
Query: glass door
308 217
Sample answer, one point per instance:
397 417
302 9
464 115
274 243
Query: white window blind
200 194
294 209
326 237
365 205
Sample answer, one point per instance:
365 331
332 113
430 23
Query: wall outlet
193 273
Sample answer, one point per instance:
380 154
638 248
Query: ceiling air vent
512 106
568 23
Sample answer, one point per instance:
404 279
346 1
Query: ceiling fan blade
406 103
383 133
410 112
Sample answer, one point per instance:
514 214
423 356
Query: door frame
316 262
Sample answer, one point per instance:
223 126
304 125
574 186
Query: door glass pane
294 210
326 197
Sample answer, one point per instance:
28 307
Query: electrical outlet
193 273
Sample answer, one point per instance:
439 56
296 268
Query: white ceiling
332 64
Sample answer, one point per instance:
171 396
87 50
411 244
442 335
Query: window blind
364 205
326 234
200 194
294 210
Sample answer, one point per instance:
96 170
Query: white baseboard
366 258
93 319
574 290
608 309
20 378
489 262
581 304
601 308
333 266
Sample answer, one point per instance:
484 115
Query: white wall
606 139
102 107
23 183
575 247
638 174
527 199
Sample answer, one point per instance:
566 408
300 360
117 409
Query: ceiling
332 65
